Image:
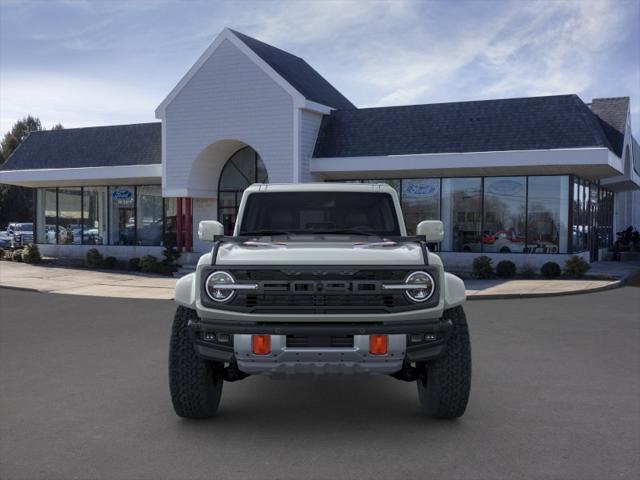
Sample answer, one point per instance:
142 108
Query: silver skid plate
285 360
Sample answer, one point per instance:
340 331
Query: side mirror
209 229
433 230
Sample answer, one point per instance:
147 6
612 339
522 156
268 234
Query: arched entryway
243 168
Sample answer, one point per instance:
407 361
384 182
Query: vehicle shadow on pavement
375 405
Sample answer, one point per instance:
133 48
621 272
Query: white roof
321 187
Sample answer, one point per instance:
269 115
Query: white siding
309 127
230 97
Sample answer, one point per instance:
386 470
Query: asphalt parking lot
83 394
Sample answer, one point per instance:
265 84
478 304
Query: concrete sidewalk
78 281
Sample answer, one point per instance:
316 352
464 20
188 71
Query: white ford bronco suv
320 279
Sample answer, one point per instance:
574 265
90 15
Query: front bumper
285 360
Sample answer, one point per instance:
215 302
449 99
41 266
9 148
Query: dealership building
528 179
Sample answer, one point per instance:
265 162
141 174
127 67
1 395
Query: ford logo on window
505 187
121 195
421 189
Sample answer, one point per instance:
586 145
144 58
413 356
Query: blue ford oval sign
421 189
122 195
505 187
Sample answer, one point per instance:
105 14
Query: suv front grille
318 289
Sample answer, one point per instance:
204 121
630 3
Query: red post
179 224
189 224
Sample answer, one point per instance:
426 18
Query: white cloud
385 52
74 101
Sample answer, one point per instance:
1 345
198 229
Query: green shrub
8 255
576 267
1 253
17 256
506 268
550 270
164 269
134 264
170 252
93 258
482 267
148 264
110 263
527 271
31 254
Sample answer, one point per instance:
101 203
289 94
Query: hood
320 253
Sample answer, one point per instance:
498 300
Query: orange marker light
378 344
261 344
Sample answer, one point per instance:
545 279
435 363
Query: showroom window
547 218
122 221
46 215
149 215
420 201
104 215
94 207
461 214
505 217
508 214
69 216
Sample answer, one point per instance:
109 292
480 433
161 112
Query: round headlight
215 286
425 286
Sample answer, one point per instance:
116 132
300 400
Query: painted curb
506 296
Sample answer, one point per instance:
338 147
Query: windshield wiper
265 232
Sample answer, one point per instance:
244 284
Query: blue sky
86 63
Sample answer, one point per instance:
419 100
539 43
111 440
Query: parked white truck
320 279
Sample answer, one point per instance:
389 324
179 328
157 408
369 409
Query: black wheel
444 389
195 383
505 250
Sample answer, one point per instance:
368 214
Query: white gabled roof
297 65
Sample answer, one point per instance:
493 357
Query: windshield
25 227
319 212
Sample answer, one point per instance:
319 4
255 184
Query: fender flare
185 291
454 291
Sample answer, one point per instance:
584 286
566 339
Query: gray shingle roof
612 113
552 122
298 73
137 144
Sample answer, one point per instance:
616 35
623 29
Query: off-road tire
195 383
444 388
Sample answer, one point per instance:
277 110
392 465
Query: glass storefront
122 221
149 215
505 214
94 207
46 215
69 216
461 214
547 214
592 213
513 214
120 215
420 201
